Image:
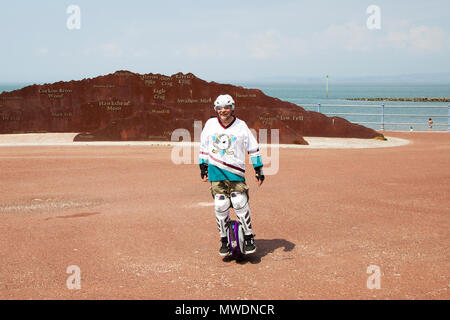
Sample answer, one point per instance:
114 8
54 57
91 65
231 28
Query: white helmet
224 100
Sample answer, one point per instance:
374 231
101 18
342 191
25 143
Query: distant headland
422 99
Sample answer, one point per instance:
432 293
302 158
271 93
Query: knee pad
242 209
222 209
239 200
221 203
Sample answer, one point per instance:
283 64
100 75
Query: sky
223 40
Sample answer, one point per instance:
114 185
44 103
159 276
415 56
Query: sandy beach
140 227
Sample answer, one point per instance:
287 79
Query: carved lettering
238 95
55 93
184 76
205 100
114 103
111 108
103 86
184 81
149 77
61 114
159 94
161 111
269 120
159 91
11 118
55 96
188 100
123 74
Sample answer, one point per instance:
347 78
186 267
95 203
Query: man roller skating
223 143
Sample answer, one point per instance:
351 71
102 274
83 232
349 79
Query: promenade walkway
139 226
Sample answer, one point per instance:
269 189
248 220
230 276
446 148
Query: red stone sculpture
129 106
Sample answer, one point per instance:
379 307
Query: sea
394 115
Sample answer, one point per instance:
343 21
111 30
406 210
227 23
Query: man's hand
204 171
259 175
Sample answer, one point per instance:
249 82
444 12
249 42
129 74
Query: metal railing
383 115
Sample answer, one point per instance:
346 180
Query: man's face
225 113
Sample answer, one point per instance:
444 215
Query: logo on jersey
222 143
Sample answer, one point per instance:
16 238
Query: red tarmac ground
140 227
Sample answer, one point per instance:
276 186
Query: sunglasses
229 107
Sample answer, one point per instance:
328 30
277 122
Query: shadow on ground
263 247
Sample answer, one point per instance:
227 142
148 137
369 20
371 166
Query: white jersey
225 146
